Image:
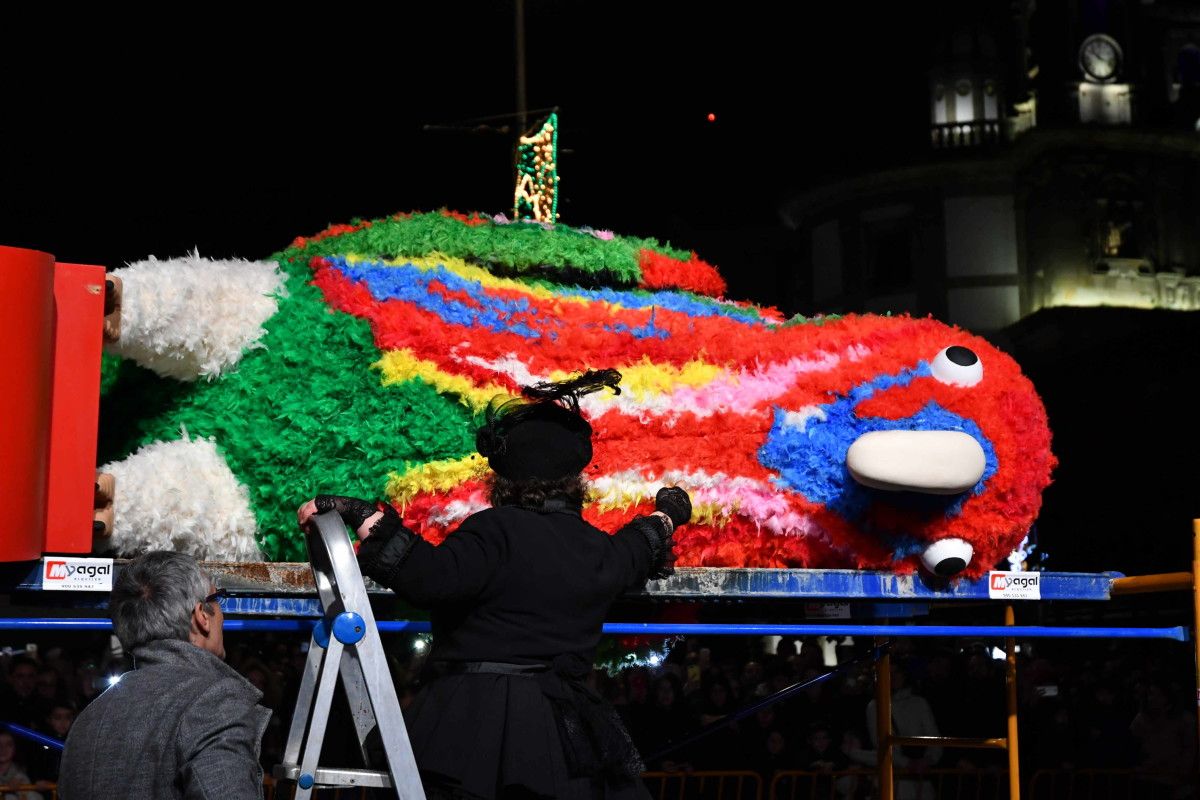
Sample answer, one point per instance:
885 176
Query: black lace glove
354 512
675 503
656 528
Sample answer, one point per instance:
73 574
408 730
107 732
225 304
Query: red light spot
712 117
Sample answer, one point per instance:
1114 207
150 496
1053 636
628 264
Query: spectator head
980 666
49 683
162 595
666 692
765 717
717 693
87 679
22 676
1156 700
775 742
59 719
819 738
8 750
815 690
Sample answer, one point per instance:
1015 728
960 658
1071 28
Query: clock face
1100 57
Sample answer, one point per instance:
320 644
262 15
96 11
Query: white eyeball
957 366
947 557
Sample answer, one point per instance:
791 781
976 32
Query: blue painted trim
1177 633
688 583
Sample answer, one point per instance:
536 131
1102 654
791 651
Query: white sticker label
827 610
66 574
1015 585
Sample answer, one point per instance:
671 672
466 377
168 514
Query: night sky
236 138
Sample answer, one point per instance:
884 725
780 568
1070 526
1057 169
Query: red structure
49 401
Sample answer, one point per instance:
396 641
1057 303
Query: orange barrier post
1145 584
883 720
1196 619
1010 691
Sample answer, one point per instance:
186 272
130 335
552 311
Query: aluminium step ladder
346 643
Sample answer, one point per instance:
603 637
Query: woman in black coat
518 595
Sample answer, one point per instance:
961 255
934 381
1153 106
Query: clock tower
1105 98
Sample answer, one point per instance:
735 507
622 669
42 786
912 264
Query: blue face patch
810 456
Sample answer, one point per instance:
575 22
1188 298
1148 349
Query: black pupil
961 356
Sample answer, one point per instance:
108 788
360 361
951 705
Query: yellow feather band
435 476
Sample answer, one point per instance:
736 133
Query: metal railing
1111 784
44 791
704 785
930 784
966 134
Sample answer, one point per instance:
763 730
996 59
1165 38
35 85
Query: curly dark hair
534 492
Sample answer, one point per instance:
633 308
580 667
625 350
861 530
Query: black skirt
483 734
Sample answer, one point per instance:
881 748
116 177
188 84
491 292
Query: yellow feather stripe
646 378
403 365
435 476
702 513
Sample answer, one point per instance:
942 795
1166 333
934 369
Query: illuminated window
991 101
940 115
964 102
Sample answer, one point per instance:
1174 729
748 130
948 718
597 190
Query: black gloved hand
354 512
665 567
675 503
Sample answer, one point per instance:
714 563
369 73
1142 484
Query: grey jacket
182 724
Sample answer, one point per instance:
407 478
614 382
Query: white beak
930 462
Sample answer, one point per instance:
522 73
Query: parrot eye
957 366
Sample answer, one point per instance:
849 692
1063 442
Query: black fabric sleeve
648 539
381 555
426 575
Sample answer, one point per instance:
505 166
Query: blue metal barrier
32 735
1177 633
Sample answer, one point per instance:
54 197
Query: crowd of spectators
1107 705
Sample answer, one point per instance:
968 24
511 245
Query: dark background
131 134
237 137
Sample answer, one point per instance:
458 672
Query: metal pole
1010 690
883 719
522 100
1164 582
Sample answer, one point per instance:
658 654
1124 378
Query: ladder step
336 776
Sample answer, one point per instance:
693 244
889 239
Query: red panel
75 408
26 350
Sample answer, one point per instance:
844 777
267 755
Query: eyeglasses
217 595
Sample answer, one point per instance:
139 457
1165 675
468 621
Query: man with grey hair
182 724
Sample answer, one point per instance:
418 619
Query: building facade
1063 169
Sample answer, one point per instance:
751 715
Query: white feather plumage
182 496
190 317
